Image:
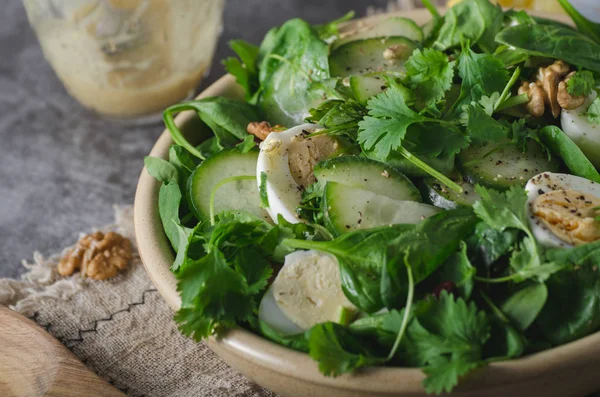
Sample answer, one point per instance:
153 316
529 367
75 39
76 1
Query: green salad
392 194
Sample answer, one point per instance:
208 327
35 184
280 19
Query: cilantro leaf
482 127
503 210
482 75
507 210
430 74
218 289
389 118
593 112
581 83
583 255
447 337
338 350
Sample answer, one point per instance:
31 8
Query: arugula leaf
593 112
429 74
575 160
555 42
330 31
338 350
227 118
294 58
476 20
482 75
169 201
447 336
389 118
244 69
582 83
160 169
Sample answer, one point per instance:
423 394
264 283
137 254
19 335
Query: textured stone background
61 166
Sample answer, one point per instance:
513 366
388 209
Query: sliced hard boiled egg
562 209
307 291
585 134
288 159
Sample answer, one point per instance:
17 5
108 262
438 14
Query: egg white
283 193
585 134
548 182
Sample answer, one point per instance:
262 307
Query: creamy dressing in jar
128 57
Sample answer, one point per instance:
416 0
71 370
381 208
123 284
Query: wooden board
34 364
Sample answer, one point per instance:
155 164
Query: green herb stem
175 132
512 102
430 170
432 8
407 309
495 309
498 280
506 93
225 181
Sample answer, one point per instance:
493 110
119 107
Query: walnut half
550 90
97 255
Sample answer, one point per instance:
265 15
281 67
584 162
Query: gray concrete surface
62 167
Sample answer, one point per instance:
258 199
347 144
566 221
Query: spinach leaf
458 270
425 247
361 255
382 327
563 146
505 342
553 42
584 25
227 118
524 305
583 255
573 307
297 342
293 59
160 169
476 20
338 350
244 69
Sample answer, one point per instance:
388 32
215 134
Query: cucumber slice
349 208
363 173
367 86
442 197
504 165
367 56
393 26
236 195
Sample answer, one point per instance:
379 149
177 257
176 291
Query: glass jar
126 58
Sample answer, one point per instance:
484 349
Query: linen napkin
122 329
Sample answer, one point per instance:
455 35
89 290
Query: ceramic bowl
569 370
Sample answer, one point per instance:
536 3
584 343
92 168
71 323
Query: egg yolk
570 215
